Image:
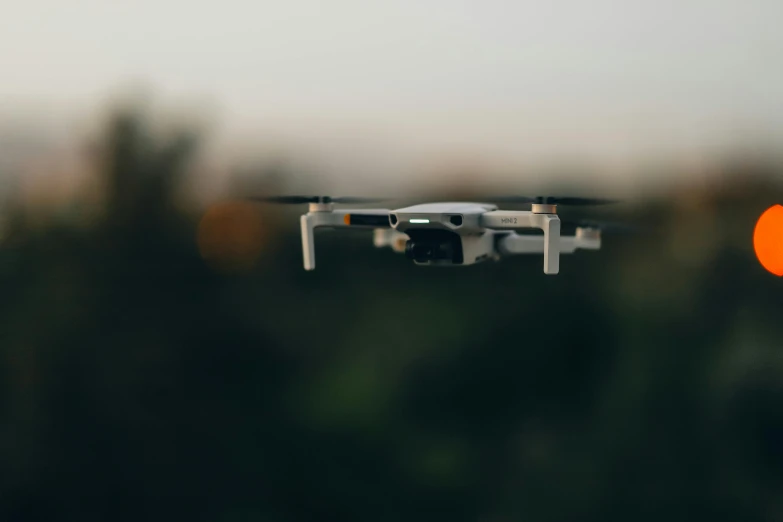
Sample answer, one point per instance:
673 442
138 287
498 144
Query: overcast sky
416 80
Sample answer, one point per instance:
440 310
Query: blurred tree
138 382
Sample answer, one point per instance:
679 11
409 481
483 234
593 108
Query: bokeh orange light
768 240
231 236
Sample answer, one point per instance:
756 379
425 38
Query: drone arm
516 220
513 244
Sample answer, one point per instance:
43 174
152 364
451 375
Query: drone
454 233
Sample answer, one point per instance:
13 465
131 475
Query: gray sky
415 81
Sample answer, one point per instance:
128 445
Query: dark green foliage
643 383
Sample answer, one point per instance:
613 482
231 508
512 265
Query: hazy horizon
412 87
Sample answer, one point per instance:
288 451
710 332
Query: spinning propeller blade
348 200
297 200
554 200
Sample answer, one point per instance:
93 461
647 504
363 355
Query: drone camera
393 219
424 252
434 246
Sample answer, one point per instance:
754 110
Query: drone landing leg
551 228
308 242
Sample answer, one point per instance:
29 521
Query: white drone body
453 234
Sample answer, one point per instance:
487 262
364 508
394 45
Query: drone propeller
554 200
297 200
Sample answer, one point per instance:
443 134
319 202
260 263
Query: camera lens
418 251
440 246
393 219
424 252
428 251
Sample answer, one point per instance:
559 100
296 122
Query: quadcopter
454 233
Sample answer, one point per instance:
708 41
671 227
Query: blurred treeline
161 362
